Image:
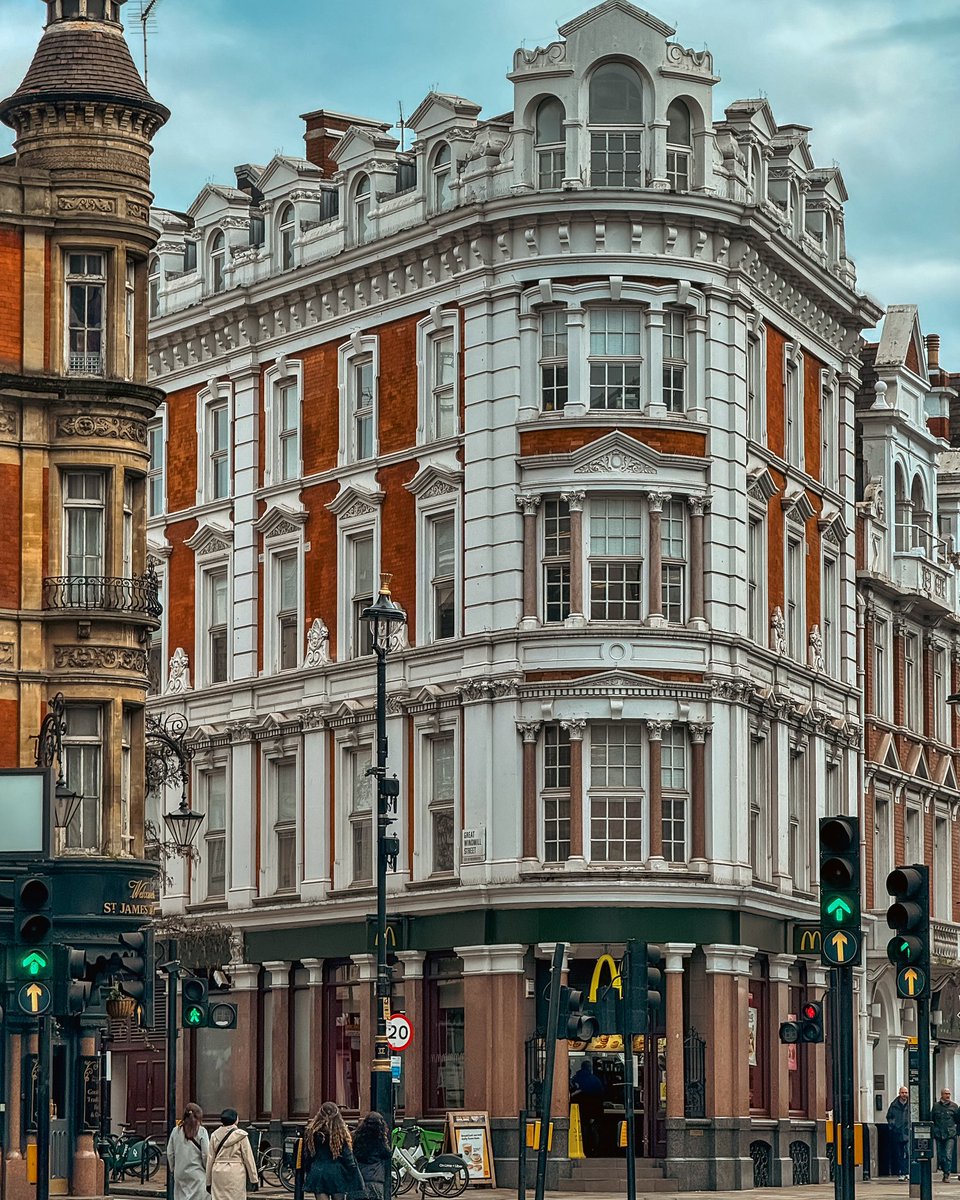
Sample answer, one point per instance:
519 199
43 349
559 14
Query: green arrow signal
839 909
33 963
905 949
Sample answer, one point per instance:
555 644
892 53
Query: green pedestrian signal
193 1015
194 1003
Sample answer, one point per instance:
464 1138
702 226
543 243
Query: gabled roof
755 111
359 142
284 166
441 108
610 6
901 343
217 197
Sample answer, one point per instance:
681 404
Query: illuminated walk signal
840 934
194 1003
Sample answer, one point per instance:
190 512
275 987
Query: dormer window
616 127
678 146
550 145
361 209
286 228
442 173
218 256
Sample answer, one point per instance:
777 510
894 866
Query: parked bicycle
273 1168
129 1155
417 1160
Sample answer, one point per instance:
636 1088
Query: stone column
243 1046
654 320
655 503
366 976
530 732
657 155
575 728
655 859
318 1047
779 965
698 794
528 506
278 982
575 504
494 1027
414 999
728 1079
697 506
674 955
87 1175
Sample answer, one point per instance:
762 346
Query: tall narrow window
126 566
218 258
361 584
361 815
615 361
674 561
288 611
442 386
126 752
883 854
881 693
554 372
938 699
442 168
758 785
942 883
550 149
615 562
362 407
83 503
285 823
216 597
831 615
912 835
674 360
679 145
556 559
361 210
83 771
616 793
215 833
911 682
286 229
443 576
756 573
86 283
756 386
674 793
616 121
155 473
799 821
153 288
442 795
829 434
287 400
793 388
793 594
556 793
218 433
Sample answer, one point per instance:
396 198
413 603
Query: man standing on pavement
898 1122
943 1115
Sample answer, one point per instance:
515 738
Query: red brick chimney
323 132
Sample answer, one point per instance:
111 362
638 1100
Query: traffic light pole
43 1108
173 975
924 1166
553 1032
629 1002
381 1083
845 1168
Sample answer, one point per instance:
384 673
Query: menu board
469 1136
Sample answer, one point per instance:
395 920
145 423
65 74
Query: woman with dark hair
329 1168
187 1150
231 1166
371 1149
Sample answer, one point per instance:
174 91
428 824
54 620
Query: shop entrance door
654 1089
59 1122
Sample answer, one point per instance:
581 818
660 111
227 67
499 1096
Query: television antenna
147 22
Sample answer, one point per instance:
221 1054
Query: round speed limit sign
399 1032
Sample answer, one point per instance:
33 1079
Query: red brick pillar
494 1027
87 1175
530 732
778 1064
366 965
675 953
243 1045
278 981
655 860
577 603
314 969
14 1166
575 728
414 1001
698 794
655 503
528 506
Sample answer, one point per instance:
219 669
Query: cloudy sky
878 80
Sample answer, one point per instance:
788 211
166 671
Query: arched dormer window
218 257
441 174
361 209
153 288
286 227
550 144
616 127
902 510
679 146
921 517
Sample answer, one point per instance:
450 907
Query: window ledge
276 898
434 883
353 889
203 906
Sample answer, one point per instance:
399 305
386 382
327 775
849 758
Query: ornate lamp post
66 802
385 618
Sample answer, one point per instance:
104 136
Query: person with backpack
329 1168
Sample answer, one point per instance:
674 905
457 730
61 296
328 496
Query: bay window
556 793
616 793
85 304
615 358
679 152
554 370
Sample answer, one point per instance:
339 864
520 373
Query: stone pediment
797 506
761 485
215 201
283 169
279 521
832 526
355 501
616 453
438 110
616 8
434 479
361 142
210 539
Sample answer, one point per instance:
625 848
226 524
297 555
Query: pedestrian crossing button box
922 1147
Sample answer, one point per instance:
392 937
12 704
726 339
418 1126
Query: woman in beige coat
230 1162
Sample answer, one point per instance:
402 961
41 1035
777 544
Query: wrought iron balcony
139 595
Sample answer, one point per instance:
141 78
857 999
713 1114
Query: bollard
522 1156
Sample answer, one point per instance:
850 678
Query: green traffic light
194 1016
33 963
839 909
906 950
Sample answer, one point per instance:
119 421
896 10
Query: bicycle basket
432 1141
410 1139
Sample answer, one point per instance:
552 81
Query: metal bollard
522 1156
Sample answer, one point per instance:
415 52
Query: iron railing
140 594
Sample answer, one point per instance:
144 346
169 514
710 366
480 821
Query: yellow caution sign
575 1136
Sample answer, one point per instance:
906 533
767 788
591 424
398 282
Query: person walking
371 1149
329 1168
898 1122
187 1150
943 1116
230 1162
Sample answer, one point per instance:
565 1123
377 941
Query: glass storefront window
341 1063
444 1060
214 1090
300 1041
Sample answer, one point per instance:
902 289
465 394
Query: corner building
77 604
581 377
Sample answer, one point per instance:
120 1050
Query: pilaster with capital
530 732
574 502
576 727
655 503
697 506
528 505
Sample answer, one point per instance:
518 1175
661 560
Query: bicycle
416 1159
272 1166
128 1155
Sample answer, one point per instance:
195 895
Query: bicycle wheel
154 1157
286 1174
401 1182
270 1163
451 1184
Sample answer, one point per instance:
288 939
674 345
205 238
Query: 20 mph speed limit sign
399 1032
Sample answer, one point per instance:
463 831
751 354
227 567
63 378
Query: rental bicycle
416 1160
128 1155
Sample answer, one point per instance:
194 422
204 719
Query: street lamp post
384 617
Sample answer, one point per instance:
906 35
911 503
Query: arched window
361 209
153 287
679 146
218 256
616 104
550 144
902 510
442 197
286 227
921 518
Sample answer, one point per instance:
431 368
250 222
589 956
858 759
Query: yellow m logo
605 959
810 940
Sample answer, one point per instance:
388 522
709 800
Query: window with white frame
442 785
554 368
286 409
214 784
443 392
756 579
616 564
217 439
361 210
616 127
85 304
362 404
216 597
129 309
881 652
442 175
286 231
913 834
673 542
883 845
556 793
156 483
83 772
550 144
286 582
285 791
556 559
831 614
443 575
829 433
679 146
126 558
758 789
218 259
793 583
361 582
674 360
361 814
615 359
799 819
911 682
793 402
942 882
675 793
616 793
756 385
83 531
938 698
153 288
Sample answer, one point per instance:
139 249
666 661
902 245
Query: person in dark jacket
898 1122
371 1149
943 1115
329 1168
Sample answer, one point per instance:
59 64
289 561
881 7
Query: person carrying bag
230 1164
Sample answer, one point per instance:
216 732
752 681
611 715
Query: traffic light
811 1021
646 983
222 1015
576 1025
133 967
909 917
71 988
194 1003
789 1032
840 935
33 911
